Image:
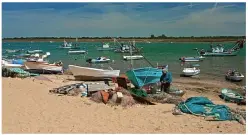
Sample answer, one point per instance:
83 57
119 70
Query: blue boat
143 76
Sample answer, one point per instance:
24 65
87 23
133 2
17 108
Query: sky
123 19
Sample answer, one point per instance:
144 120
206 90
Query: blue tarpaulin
204 107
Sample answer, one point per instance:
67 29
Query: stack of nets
126 101
165 98
16 72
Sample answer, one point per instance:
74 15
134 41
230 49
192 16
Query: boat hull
76 52
42 67
234 78
220 54
191 72
230 95
143 76
135 57
86 73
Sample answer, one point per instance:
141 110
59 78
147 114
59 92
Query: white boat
43 67
8 64
133 57
86 73
234 75
191 59
98 60
66 45
38 58
76 52
34 51
191 71
105 47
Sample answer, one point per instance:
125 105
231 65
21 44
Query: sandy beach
28 107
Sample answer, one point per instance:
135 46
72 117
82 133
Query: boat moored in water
98 60
133 57
191 59
234 75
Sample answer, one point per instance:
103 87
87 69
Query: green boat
232 96
220 51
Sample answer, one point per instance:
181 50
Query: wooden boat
191 71
76 52
43 67
191 59
98 60
34 51
133 57
220 51
86 73
143 76
234 75
230 95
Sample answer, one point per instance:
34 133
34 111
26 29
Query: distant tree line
151 37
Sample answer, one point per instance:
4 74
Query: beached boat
234 75
191 71
98 60
43 67
34 51
230 95
133 57
86 73
76 52
220 51
9 64
143 76
192 59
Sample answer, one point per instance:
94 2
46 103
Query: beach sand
28 107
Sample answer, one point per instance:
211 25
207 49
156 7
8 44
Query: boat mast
131 55
144 57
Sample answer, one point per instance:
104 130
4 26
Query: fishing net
165 98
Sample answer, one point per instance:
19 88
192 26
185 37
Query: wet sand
29 108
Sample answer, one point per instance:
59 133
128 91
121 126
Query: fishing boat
191 71
143 76
133 57
220 51
234 75
76 51
86 73
98 60
12 51
43 67
34 51
125 48
230 95
66 45
192 59
105 47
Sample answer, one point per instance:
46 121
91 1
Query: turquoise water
161 53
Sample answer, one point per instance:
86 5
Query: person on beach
165 79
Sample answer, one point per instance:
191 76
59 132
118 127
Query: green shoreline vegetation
152 38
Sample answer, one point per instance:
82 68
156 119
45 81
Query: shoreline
29 108
125 40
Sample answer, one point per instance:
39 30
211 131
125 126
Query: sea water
213 68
